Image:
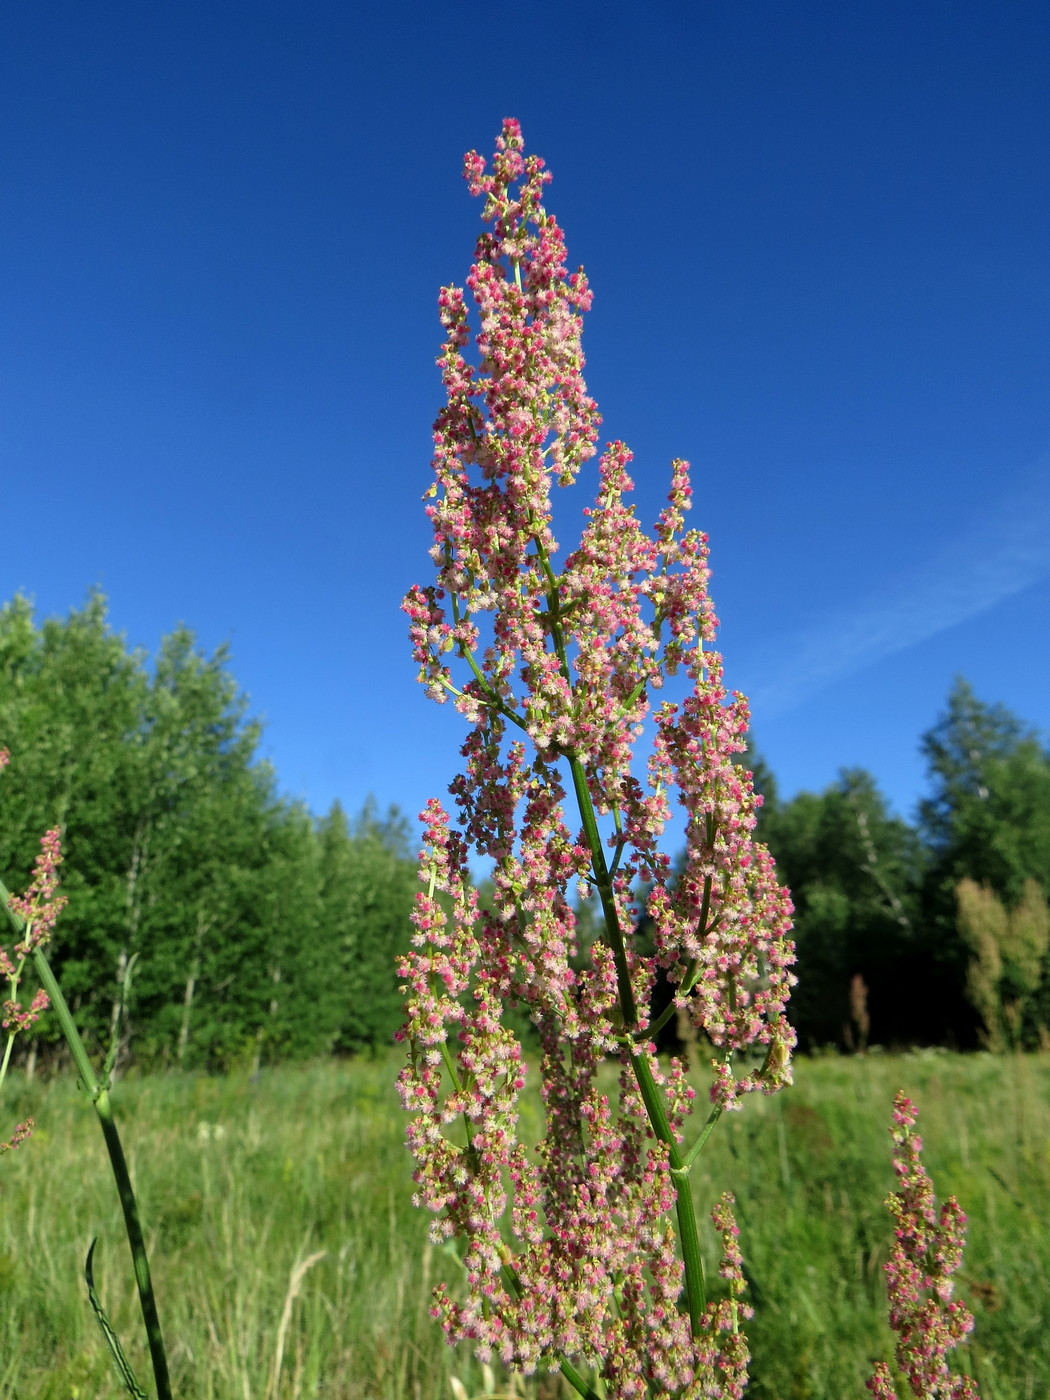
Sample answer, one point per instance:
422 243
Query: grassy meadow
289 1261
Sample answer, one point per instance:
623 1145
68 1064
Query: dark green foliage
987 820
989 814
882 956
253 932
369 886
854 871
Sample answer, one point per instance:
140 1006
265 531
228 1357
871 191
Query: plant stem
132 1224
99 1094
705 1133
695 1289
604 885
577 1382
12 989
7 1058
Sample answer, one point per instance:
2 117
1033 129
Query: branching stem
656 1109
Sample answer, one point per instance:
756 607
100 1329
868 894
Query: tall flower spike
927 1251
570 1254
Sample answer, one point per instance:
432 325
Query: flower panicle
927 1252
22 1133
40 906
38 909
554 658
18 1018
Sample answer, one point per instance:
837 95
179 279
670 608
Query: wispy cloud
1007 552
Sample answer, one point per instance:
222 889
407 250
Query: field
289 1261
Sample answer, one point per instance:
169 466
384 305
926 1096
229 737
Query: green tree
988 816
987 823
1007 949
70 703
296 992
854 871
180 857
70 694
368 890
183 780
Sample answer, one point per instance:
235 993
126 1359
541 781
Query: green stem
651 1032
450 1066
132 1224
705 1133
705 908
12 989
495 699
695 1290
68 1026
99 1094
603 884
577 1381
7 1057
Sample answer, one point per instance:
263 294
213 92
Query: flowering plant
926 1253
570 1253
35 913
33 916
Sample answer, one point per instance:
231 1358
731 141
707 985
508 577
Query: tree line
932 932
213 921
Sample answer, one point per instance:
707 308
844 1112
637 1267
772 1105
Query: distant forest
243 929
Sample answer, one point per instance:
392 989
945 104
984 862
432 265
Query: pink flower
40 906
16 1019
927 1252
22 1133
570 1252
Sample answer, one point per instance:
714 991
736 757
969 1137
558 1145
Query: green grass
243 1182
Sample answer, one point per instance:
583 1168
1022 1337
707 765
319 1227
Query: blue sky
819 240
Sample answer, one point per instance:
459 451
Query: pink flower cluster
40 906
927 1252
570 1251
22 1133
586 1265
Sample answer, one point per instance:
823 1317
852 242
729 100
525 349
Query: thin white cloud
1007 553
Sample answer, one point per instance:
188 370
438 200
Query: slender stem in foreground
99 1094
132 1224
12 983
578 1383
705 1133
7 1057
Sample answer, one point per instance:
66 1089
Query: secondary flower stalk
32 917
34 914
571 1255
926 1254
